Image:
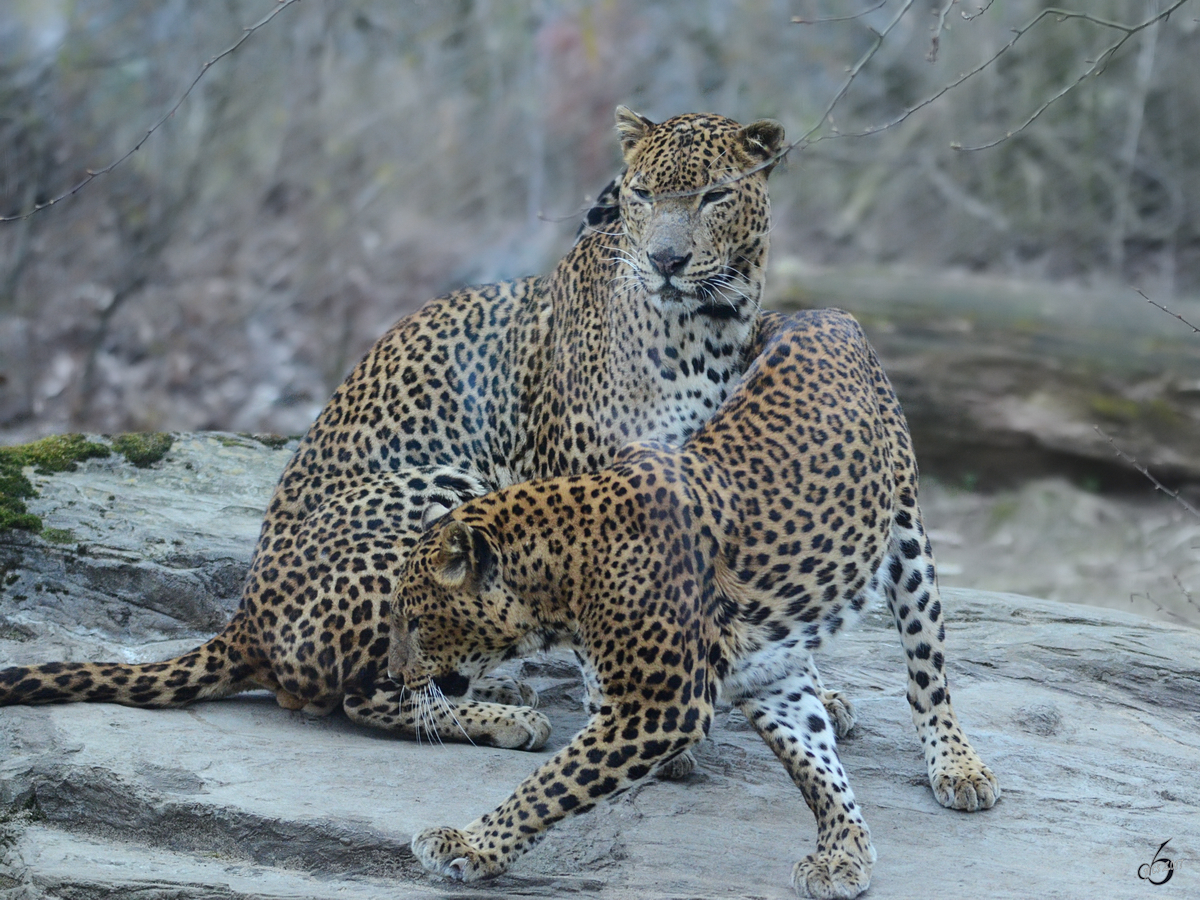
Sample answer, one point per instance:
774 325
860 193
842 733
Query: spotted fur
638 333
684 577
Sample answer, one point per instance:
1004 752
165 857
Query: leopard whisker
449 710
721 286
419 714
420 723
625 258
432 693
423 716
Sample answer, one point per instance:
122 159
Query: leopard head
695 210
453 617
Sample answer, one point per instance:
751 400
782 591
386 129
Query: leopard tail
215 669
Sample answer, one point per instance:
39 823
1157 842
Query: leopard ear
452 561
465 559
632 129
761 140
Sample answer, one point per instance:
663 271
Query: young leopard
689 576
639 332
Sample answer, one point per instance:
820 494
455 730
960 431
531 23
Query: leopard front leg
837 705
602 761
675 768
791 717
508 691
423 717
958 776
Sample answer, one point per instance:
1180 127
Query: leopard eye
715 195
641 193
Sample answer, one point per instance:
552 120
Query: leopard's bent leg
419 716
492 689
837 705
675 769
958 776
791 717
602 761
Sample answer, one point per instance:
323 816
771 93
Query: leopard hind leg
958 776
791 717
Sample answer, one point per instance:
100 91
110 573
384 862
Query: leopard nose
668 262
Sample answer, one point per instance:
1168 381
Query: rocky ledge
1090 718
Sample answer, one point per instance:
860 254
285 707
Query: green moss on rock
57 453
14 488
273 441
58 535
143 449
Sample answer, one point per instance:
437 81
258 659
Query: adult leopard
640 332
685 576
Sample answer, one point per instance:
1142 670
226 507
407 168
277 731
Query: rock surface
138 554
1090 718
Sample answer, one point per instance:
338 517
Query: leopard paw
508 691
447 852
964 783
832 874
840 711
678 768
519 728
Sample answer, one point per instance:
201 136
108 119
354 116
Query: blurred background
352 159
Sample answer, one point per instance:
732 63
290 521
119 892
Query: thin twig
1164 611
880 36
1195 330
1095 69
1158 485
979 12
800 20
937 31
1187 595
92 174
1018 33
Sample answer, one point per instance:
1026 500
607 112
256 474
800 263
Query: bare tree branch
1096 68
937 31
1195 330
979 12
1161 609
1158 485
92 174
807 138
800 20
1187 595
880 36
1018 33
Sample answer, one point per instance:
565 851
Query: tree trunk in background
1002 381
